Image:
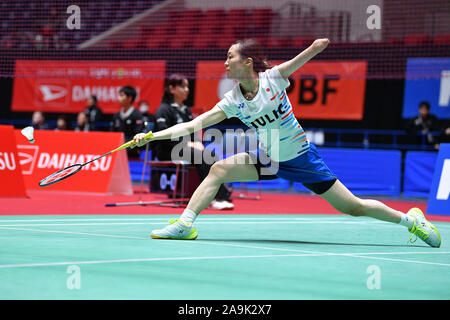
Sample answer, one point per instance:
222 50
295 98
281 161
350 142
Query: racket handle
148 136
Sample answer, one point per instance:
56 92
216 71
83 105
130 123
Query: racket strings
66 172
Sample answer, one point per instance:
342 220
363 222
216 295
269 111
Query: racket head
60 175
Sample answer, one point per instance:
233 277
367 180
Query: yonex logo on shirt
241 106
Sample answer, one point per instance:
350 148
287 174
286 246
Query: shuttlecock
28 133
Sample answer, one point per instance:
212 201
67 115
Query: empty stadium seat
130 43
225 42
442 39
203 42
416 39
179 42
300 42
278 42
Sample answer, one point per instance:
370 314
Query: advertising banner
10 171
439 198
331 90
55 150
64 86
427 79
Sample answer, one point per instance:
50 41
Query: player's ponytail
251 48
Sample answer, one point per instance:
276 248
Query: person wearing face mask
147 117
173 111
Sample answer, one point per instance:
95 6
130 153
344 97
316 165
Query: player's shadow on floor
268 241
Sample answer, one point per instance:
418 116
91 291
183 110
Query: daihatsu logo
52 92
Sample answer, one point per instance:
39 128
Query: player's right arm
287 68
209 118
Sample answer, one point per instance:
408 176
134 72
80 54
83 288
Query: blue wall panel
418 175
370 172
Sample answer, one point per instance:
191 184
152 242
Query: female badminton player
260 101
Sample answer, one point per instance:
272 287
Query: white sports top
270 114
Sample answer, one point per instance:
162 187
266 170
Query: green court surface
236 257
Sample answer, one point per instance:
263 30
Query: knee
356 209
218 171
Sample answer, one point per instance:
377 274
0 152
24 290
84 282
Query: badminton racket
71 170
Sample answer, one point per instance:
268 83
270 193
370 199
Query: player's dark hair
425 104
173 80
129 91
250 48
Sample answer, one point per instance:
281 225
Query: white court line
78 233
399 260
197 223
166 219
304 252
49 264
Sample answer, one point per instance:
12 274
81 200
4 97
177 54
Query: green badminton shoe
423 229
176 230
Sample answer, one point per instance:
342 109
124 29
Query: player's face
235 66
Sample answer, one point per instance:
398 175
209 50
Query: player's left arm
289 67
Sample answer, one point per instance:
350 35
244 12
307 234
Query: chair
442 39
416 39
179 187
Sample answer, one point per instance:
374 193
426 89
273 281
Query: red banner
55 150
319 90
10 172
64 86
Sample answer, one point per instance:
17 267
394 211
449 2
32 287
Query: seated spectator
93 112
128 120
424 122
38 121
82 122
444 134
62 123
146 116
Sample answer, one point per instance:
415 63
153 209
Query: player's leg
222 198
344 201
232 169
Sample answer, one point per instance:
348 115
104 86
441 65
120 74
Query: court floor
236 257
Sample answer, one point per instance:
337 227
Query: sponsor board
10 170
439 198
55 150
331 90
427 79
64 86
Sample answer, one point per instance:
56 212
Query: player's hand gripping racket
71 170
